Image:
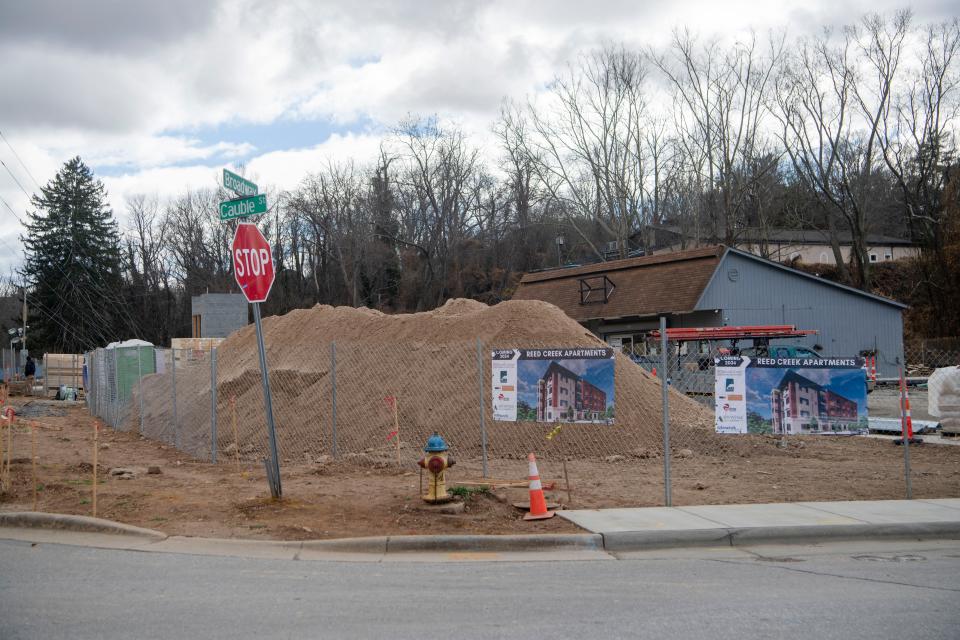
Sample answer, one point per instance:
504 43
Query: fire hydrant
436 462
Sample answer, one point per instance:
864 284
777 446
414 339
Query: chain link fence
348 398
11 364
383 400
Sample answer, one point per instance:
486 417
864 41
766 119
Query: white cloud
164 182
115 83
285 169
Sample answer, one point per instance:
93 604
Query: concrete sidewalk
611 531
736 524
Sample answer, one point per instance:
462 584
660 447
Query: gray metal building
622 300
217 315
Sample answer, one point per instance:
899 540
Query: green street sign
242 207
238 185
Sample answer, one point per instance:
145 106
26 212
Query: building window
887 256
804 401
804 414
873 257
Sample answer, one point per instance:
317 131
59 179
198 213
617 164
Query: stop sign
252 262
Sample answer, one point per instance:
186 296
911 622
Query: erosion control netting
431 363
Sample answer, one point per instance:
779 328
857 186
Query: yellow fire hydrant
436 462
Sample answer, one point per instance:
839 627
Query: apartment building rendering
562 395
799 405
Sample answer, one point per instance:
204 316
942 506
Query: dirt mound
429 361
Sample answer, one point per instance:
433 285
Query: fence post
213 405
92 371
904 434
115 392
483 421
665 400
333 386
91 397
140 383
173 377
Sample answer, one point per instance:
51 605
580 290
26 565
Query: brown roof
667 283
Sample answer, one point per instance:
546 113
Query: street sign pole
273 465
254 272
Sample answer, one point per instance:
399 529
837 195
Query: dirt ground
359 495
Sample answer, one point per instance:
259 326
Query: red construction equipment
767 332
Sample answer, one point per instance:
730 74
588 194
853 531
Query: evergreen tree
72 265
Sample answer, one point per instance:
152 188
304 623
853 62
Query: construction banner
789 396
553 385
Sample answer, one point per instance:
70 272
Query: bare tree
918 147
433 199
332 204
721 94
832 105
587 148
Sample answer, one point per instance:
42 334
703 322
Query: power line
17 156
15 178
12 211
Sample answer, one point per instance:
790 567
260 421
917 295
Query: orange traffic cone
907 430
538 504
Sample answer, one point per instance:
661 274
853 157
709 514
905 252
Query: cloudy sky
159 96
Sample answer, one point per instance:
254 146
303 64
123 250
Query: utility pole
23 341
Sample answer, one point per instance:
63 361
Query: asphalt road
878 590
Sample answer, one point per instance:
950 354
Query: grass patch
465 493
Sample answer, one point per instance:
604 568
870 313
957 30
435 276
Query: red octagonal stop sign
252 262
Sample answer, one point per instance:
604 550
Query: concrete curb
64 522
747 536
376 544
540 542
450 543
620 541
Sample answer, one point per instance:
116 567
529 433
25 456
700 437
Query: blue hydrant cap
435 444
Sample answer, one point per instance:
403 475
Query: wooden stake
96 448
3 462
10 420
566 480
236 438
396 425
33 461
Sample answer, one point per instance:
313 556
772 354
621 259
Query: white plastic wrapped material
943 393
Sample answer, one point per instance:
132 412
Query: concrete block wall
220 313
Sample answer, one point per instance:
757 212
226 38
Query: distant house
800 405
622 300
563 395
785 245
